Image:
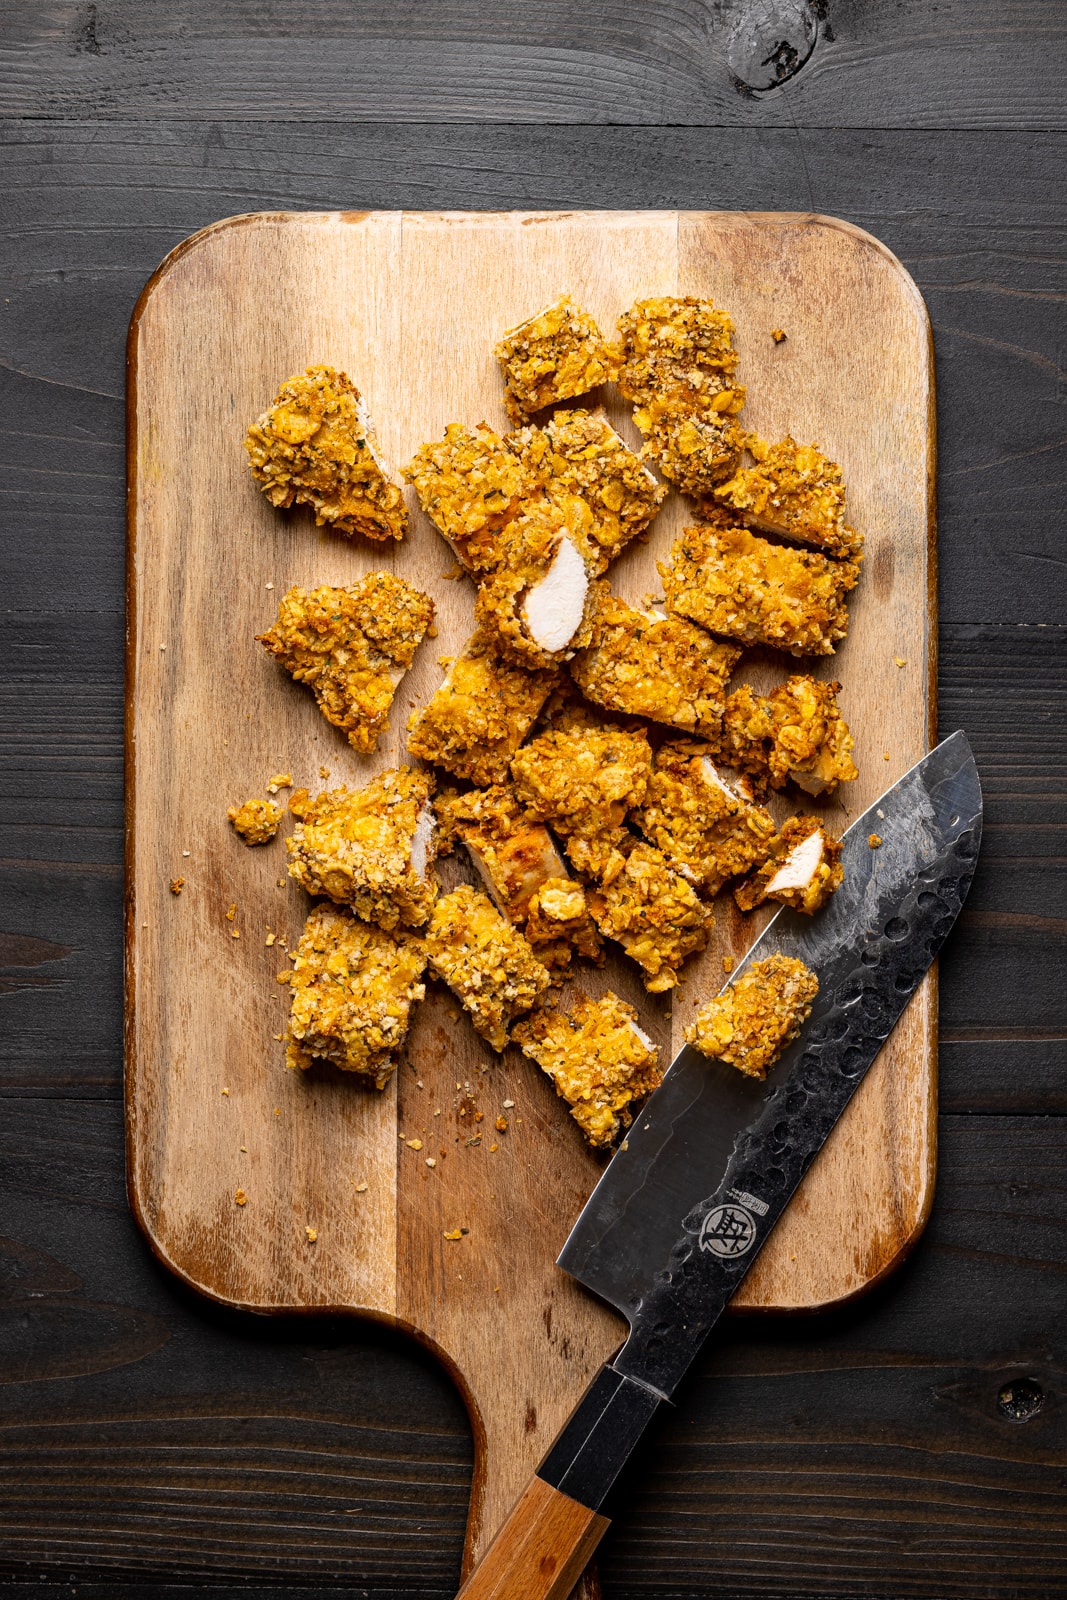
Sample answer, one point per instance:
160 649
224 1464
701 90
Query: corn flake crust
803 870
352 989
751 1022
655 666
371 850
555 355
256 820
315 446
598 1059
470 484
538 603
481 713
584 779
558 925
706 827
489 967
796 734
654 914
741 586
351 646
793 491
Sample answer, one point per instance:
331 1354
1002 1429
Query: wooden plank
963 64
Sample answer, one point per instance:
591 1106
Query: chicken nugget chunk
702 817
487 964
793 491
751 1022
555 355
256 820
538 603
352 989
481 713
736 584
803 870
559 926
654 914
372 849
351 646
653 665
584 779
315 447
599 1059
470 484
796 734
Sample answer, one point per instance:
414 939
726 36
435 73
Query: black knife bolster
596 1442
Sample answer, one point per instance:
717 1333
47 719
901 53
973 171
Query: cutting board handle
541 1550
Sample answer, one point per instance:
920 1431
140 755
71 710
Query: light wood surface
410 304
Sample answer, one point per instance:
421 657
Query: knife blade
708 1167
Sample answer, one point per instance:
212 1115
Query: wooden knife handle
541 1550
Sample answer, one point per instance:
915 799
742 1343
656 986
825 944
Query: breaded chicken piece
558 924
600 1061
470 484
793 491
585 468
315 446
654 914
256 820
736 584
796 734
352 990
372 849
678 369
652 665
751 1022
487 964
803 870
703 818
481 713
583 780
538 603
351 647
555 355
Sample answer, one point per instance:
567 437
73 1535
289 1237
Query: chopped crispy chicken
372 849
555 355
795 492
352 990
487 964
256 821
803 870
702 818
598 1058
652 665
481 713
751 1022
583 779
796 734
351 646
654 914
558 924
470 484
538 603
315 446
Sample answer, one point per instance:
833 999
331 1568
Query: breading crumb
269 940
455 1233
256 821
778 334
431 1161
413 1144
177 885
728 963
361 1188
901 661
501 1124
240 1198
874 840
312 1234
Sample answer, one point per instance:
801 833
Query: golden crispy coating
538 603
654 914
489 967
372 850
751 1022
797 733
481 713
511 849
678 370
256 821
351 647
795 492
706 826
315 446
558 925
583 780
553 356
737 584
606 491
352 989
652 665
598 1059
803 870
469 485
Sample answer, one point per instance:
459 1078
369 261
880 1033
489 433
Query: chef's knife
708 1167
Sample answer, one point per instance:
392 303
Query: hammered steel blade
708 1167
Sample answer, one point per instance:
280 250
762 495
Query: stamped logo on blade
728 1231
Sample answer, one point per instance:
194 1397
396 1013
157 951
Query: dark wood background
913 1445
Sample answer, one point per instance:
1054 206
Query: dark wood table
913 1444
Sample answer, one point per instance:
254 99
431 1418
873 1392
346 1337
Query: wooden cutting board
410 305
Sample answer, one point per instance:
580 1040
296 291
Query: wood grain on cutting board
410 305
